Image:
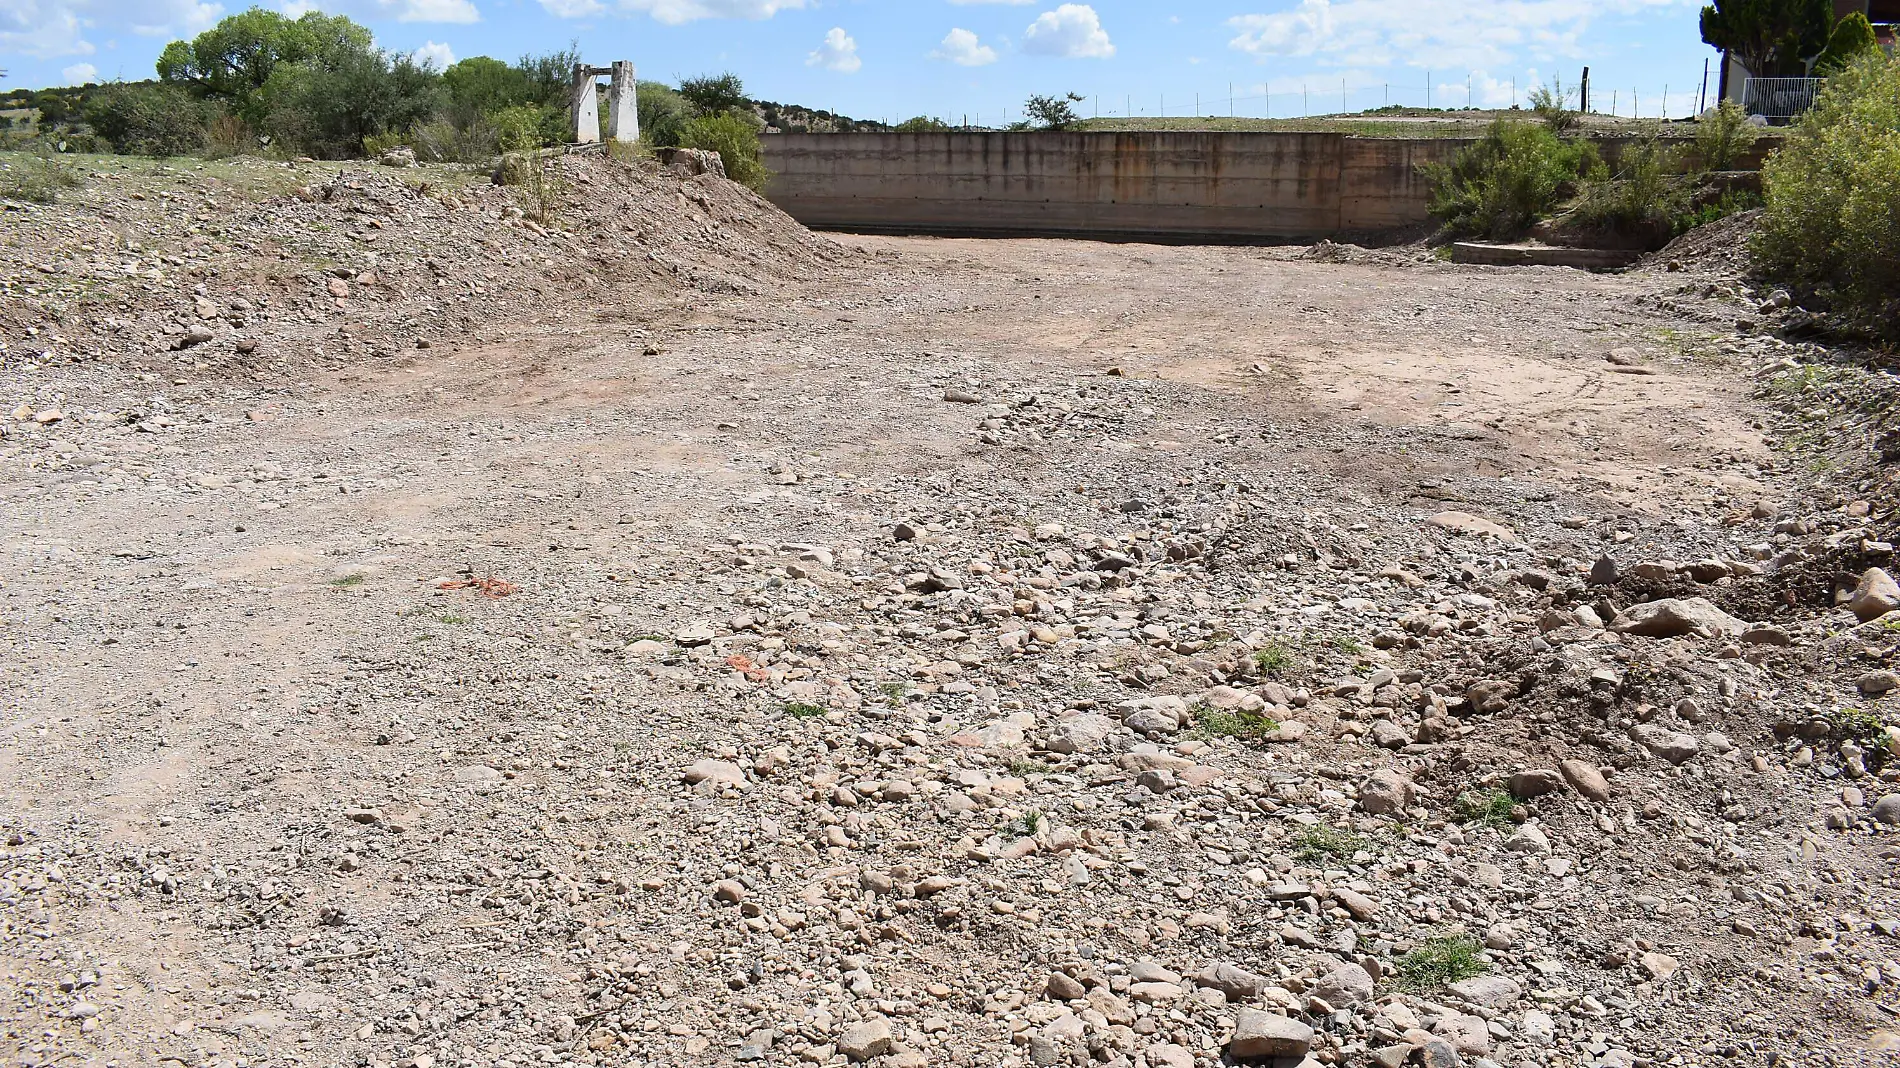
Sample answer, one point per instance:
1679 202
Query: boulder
1874 596
1677 617
1472 525
1386 792
1260 1034
1348 984
1584 778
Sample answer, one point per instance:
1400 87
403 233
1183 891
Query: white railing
1779 98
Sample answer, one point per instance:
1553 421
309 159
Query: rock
1878 683
1348 984
1529 838
1469 1035
1673 746
1488 991
696 634
717 772
1386 792
1887 810
1260 1034
1491 696
1358 905
904 532
400 156
195 334
1064 987
729 891
693 162
1677 617
1658 966
1527 785
1773 636
869 1039
1236 982
337 288
1538 1028
1438 1053
1471 525
1874 596
1085 732
1584 778
961 396
1604 572
1168 1055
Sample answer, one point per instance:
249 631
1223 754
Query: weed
1024 826
1215 723
1492 808
454 620
37 179
1499 185
1023 767
893 691
348 581
1275 660
803 710
1439 962
1865 730
1552 105
1320 843
1723 136
1347 644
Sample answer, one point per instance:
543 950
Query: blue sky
950 58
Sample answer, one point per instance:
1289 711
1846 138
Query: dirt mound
250 265
1719 247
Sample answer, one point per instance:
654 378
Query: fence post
1583 92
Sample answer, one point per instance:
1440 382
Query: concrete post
623 104
585 108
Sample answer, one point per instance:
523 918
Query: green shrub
442 141
663 114
1319 843
1724 135
1491 808
1500 184
923 124
149 120
1215 723
737 142
327 112
1832 220
1722 207
37 179
713 93
1641 200
1551 103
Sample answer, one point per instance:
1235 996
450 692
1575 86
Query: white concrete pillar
585 110
623 104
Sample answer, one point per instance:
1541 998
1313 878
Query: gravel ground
727 644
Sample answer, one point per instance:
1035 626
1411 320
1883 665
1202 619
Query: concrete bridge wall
1130 186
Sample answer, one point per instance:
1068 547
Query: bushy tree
1500 184
1852 36
149 120
663 113
550 75
1832 220
233 60
479 86
922 124
327 112
54 108
714 93
1053 112
737 142
1723 135
1772 38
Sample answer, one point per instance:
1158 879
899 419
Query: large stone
1584 778
872 1038
1264 1034
1473 525
1348 984
1488 991
1673 746
1236 982
1874 596
716 772
1386 792
1887 810
1677 617
1086 732
1528 785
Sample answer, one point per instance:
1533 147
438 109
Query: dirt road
819 674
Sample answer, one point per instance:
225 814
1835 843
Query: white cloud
838 53
436 56
963 48
1014 3
1448 33
675 12
1072 31
462 11
572 9
47 28
80 74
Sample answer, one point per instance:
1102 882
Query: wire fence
1317 98
1779 98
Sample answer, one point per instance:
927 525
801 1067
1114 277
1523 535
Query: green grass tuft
1492 808
1214 723
1320 843
803 710
1439 962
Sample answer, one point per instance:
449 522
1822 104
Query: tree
481 86
1772 38
53 109
234 59
149 120
1053 112
1852 36
550 75
663 113
714 93
922 124
328 111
